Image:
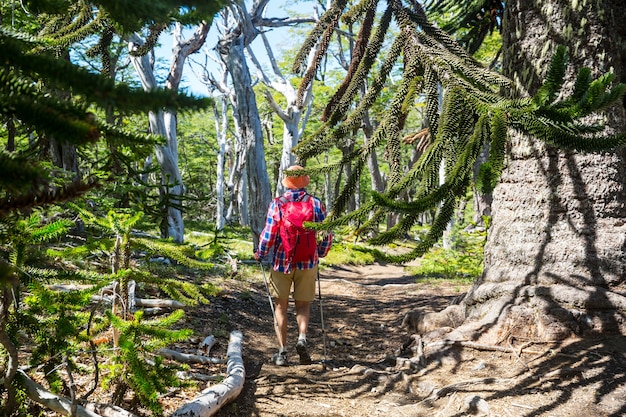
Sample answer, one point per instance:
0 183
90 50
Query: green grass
348 254
463 264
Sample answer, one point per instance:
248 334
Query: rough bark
216 396
555 258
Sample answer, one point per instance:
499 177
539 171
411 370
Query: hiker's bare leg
303 314
281 320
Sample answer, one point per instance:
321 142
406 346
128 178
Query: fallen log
52 401
187 357
158 302
197 376
216 396
107 410
142 302
207 344
62 405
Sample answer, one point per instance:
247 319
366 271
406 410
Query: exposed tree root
447 389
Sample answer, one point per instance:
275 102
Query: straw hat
295 182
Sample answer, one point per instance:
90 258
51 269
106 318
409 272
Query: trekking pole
319 290
269 297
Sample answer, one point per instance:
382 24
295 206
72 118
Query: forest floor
356 371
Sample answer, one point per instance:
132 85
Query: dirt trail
363 308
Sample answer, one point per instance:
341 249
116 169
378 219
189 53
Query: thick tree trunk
63 155
555 259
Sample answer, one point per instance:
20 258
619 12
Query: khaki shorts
303 281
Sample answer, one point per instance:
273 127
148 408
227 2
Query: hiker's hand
257 257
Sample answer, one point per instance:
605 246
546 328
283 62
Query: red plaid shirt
270 239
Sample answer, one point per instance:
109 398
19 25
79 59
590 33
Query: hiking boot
280 359
305 358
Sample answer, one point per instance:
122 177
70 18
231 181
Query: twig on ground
443 391
518 352
522 406
187 357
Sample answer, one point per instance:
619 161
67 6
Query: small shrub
348 254
464 263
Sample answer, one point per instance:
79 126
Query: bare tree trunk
11 131
555 259
372 160
221 129
328 188
292 115
63 155
164 122
482 201
231 48
251 194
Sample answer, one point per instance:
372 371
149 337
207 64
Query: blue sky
279 38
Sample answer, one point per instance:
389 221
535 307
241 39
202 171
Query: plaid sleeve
270 231
327 237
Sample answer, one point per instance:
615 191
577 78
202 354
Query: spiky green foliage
132 15
465 111
123 244
41 91
476 19
135 364
47 103
23 235
55 321
64 323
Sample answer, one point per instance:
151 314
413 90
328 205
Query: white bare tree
295 113
249 179
164 122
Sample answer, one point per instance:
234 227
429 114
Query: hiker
295 258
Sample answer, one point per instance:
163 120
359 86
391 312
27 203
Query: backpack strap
306 197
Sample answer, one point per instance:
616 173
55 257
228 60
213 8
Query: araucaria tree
44 95
555 259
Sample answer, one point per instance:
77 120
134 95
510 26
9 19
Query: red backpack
298 243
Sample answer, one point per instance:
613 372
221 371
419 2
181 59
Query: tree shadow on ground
358 373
